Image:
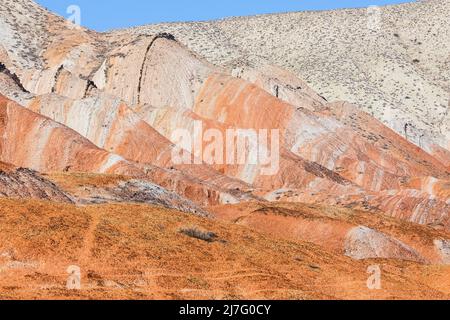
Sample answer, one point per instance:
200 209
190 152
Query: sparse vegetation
195 232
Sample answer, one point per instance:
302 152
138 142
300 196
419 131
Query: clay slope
135 251
322 149
111 125
164 53
125 124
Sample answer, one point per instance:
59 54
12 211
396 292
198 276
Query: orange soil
136 251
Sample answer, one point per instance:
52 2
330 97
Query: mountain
396 70
100 121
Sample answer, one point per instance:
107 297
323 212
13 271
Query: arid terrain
392 62
355 203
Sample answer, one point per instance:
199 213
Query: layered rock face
392 61
107 117
129 95
36 142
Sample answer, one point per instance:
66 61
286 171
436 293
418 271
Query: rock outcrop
20 183
391 61
365 243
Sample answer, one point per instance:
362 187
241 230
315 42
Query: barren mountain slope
36 142
398 70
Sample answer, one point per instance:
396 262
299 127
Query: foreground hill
138 251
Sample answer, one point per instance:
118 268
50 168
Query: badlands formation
88 175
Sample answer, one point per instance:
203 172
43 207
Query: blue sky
104 15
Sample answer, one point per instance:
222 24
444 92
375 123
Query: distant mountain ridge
88 173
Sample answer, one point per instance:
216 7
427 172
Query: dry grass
135 251
72 181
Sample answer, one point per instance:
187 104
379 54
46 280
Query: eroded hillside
138 252
396 70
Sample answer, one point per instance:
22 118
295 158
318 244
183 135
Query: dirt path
89 240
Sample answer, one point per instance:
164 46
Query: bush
199 234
